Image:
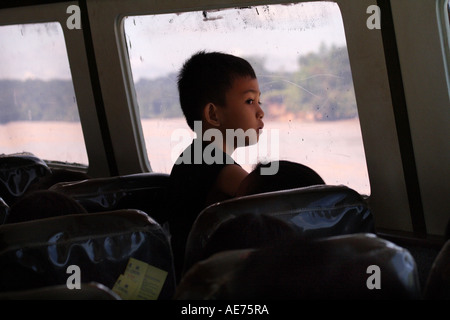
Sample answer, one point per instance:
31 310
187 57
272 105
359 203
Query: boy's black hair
290 175
205 78
249 230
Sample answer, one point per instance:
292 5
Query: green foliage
37 100
327 78
322 89
158 98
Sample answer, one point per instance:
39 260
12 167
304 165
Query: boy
219 94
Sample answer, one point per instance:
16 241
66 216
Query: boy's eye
251 101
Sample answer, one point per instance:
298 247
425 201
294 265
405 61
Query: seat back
38 253
438 282
18 172
144 191
356 266
317 211
4 210
88 291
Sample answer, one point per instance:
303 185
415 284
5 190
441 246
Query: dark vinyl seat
316 211
88 291
438 282
18 172
353 266
4 210
37 254
143 191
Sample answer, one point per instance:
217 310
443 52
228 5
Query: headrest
438 282
143 191
357 266
37 253
316 211
17 172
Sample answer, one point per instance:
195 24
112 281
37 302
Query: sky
159 44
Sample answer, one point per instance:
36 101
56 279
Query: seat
38 253
143 191
316 211
4 209
18 172
353 266
88 291
438 281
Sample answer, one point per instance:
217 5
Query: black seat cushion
88 291
143 191
438 282
356 266
37 253
316 211
18 172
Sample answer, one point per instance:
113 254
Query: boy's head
205 78
249 230
289 175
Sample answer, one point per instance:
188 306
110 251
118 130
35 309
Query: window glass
38 108
299 54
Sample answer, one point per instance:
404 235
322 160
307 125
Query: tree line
320 90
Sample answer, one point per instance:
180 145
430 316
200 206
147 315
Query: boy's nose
260 113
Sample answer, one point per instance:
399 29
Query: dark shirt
191 182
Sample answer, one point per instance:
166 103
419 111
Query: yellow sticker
140 281
125 287
135 270
153 282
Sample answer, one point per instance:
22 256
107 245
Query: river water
334 149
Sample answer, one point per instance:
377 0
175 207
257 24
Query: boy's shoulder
202 154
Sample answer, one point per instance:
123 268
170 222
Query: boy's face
242 111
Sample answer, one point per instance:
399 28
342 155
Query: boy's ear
210 112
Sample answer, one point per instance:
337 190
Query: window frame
426 85
163 26
373 95
76 54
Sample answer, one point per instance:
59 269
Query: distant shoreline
333 148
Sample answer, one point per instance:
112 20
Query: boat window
448 16
448 10
300 56
39 112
